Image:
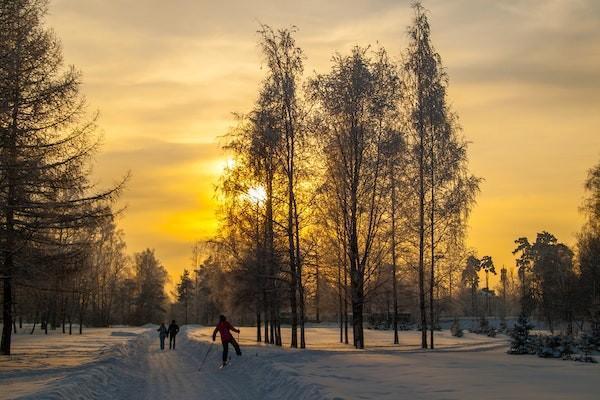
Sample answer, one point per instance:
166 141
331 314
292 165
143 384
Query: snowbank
62 367
471 367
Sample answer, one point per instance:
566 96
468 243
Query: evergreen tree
547 268
151 278
470 278
521 342
504 285
589 254
185 290
487 266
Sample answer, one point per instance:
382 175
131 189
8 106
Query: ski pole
205 355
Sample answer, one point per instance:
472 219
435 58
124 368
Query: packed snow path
180 372
189 373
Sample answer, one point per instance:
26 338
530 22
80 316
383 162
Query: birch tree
284 60
445 190
359 100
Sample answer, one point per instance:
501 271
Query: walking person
162 334
224 328
172 332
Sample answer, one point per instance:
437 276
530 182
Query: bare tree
446 191
285 65
394 151
359 100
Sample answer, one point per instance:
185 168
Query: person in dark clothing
224 328
173 331
162 333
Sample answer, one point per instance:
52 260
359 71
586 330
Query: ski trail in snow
170 372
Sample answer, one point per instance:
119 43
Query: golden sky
166 76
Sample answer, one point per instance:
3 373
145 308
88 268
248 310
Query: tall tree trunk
266 313
356 285
292 214
82 306
422 243
345 293
394 266
301 321
278 342
299 281
14 323
258 279
258 324
421 134
270 299
5 342
341 307
317 294
487 293
292 264
432 223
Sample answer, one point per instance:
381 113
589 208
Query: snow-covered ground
63 366
126 363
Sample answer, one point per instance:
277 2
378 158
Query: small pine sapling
521 342
586 347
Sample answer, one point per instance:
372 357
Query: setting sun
257 194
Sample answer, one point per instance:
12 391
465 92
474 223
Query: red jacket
223 328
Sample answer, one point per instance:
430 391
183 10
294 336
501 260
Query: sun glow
257 194
221 165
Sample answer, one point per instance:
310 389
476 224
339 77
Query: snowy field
126 363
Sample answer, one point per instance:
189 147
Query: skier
172 332
223 327
162 333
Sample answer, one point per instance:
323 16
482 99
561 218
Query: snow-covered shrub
455 328
567 346
551 346
556 346
594 338
522 342
484 328
586 347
